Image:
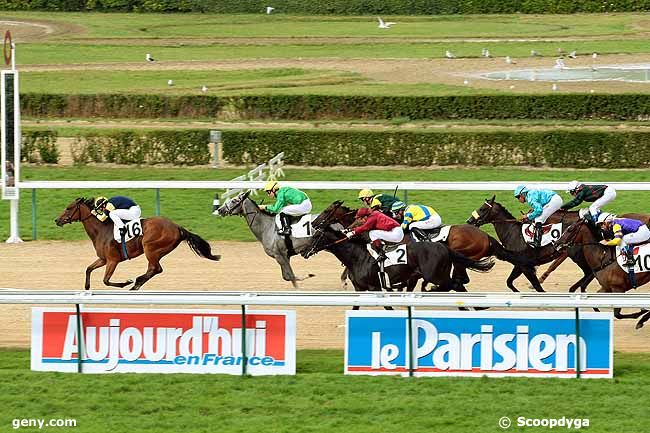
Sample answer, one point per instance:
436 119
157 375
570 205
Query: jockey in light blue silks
543 202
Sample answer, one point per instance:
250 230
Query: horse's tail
501 253
482 265
198 244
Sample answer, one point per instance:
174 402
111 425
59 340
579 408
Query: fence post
33 214
243 340
410 337
80 347
577 362
157 201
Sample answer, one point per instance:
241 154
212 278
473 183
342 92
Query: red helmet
363 212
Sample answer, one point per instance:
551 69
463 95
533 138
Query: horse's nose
470 220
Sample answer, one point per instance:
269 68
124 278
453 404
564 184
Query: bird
573 54
170 82
559 63
269 9
449 55
594 56
384 25
554 86
204 88
486 53
466 82
510 61
149 58
534 53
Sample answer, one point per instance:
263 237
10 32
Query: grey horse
262 224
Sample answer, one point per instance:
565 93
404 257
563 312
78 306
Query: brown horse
602 261
160 236
466 239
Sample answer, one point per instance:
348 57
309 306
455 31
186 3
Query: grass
192 208
318 399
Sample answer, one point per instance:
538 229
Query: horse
427 260
160 236
508 231
262 224
465 239
601 260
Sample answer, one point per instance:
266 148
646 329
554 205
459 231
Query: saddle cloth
440 234
641 258
300 226
133 230
550 232
395 254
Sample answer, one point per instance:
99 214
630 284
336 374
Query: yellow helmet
271 185
100 201
365 193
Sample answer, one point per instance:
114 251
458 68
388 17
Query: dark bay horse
509 233
160 236
464 239
430 261
601 260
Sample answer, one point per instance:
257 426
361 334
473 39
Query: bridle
313 250
571 242
77 210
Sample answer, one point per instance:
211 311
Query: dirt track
58 265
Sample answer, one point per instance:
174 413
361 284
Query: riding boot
286 226
537 241
419 234
378 246
629 256
125 253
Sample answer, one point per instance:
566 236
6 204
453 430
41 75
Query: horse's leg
153 252
460 274
154 268
514 274
644 319
557 262
110 268
530 274
619 315
287 272
94 265
344 279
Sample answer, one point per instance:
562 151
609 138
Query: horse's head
572 235
78 210
233 206
323 238
333 214
485 214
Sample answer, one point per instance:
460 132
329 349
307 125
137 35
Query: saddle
438 234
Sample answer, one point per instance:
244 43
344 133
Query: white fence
374 299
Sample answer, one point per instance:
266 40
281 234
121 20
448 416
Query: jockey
380 228
118 208
416 218
627 233
543 202
288 202
600 195
381 202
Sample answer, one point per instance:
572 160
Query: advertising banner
457 343
163 341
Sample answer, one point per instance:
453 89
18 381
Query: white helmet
573 185
604 216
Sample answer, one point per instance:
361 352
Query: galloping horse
262 224
465 239
601 260
509 232
159 237
430 261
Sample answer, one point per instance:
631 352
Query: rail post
80 347
410 343
157 201
33 214
244 361
577 362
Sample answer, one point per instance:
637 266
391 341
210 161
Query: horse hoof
311 275
639 325
133 289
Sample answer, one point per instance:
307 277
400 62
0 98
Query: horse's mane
506 211
90 202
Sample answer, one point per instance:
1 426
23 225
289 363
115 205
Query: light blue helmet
398 205
520 190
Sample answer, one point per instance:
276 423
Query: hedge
337 7
39 146
322 107
571 148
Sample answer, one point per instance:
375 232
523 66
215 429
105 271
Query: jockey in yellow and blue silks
543 203
416 218
627 233
117 208
288 201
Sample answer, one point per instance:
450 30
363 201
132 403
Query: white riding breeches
608 195
299 209
117 215
551 207
641 235
395 235
434 221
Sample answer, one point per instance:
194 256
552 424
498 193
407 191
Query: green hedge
39 146
181 147
319 107
577 149
337 7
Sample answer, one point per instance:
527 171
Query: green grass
153 26
318 399
192 208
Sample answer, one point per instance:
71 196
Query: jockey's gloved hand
348 233
262 207
524 219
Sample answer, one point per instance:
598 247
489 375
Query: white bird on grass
269 9
594 56
204 88
449 55
534 53
170 82
510 61
149 58
383 24
486 53
573 54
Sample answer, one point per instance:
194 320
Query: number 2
401 253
